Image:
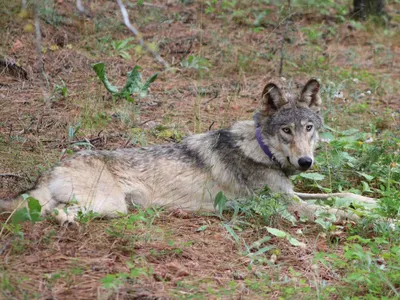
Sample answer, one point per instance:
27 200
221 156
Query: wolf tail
10 204
16 201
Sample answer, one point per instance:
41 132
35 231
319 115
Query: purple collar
262 145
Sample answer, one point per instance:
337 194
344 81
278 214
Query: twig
39 50
9 217
128 24
79 6
11 175
6 244
283 42
82 9
148 4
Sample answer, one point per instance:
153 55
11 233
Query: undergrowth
359 150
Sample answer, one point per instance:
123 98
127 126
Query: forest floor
221 56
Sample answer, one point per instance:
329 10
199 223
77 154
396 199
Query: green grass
255 248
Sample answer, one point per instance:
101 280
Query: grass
222 54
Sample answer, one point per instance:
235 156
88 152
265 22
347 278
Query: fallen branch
11 175
128 24
284 37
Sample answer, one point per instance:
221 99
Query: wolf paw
70 224
65 217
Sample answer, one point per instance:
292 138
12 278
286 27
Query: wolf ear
310 95
272 98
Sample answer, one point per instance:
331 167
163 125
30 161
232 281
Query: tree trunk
365 8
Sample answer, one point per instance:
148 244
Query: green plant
60 90
164 132
256 251
210 6
368 266
5 283
122 226
72 135
324 7
49 13
313 34
122 47
84 217
372 164
30 213
115 281
266 205
134 86
196 62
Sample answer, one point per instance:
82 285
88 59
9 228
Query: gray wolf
277 143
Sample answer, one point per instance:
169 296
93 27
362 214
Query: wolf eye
286 130
309 127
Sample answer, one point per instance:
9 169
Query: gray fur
190 174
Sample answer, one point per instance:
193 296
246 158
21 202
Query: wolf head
289 124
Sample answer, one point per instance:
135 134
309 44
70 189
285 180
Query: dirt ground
37 116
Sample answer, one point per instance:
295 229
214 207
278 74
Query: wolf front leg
351 196
310 211
279 183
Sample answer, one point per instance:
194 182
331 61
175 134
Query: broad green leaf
366 187
325 224
293 241
123 44
125 55
343 202
30 213
276 232
347 156
288 216
99 68
259 242
202 228
330 128
262 250
232 233
149 81
220 202
324 189
327 136
350 131
366 176
20 216
133 82
34 209
312 176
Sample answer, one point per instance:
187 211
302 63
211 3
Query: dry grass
176 258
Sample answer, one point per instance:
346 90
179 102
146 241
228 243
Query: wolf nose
305 162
